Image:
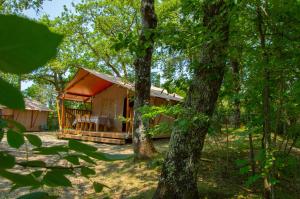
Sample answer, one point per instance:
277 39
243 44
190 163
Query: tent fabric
87 83
31 104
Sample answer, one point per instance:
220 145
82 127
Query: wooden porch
89 131
103 137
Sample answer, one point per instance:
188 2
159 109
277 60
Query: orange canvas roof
84 85
88 83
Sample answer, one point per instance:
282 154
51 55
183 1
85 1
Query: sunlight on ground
219 174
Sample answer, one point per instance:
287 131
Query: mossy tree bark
142 143
180 169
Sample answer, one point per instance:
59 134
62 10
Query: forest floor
220 173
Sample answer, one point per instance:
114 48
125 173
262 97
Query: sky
52 8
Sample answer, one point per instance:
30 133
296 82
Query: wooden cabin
108 117
33 118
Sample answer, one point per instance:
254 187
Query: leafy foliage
14 98
103 35
23 52
27 46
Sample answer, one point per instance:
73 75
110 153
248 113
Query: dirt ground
125 178
219 174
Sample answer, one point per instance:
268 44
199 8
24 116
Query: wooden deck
103 137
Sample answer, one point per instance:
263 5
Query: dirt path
126 179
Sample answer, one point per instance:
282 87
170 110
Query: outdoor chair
92 126
86 122
78 122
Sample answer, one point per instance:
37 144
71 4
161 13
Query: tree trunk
278 122
237 87
142 143
266 140
180 169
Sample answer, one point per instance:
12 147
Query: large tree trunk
142 144
180 169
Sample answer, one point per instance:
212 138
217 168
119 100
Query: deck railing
70 115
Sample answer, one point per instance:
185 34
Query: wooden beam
58 113
120 135
31 121
82 78
37 114
93 139
127 111
87 100
78 94
63 114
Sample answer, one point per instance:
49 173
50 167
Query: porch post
63 114
58 113
127 112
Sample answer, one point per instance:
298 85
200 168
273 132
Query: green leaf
63 171
98 187
108 157
7 161
86 158
241 162
21 180
11 97
98 156
85 171
3 123
37 173
37 195
245 169
34 140
16 125
274 181
28 48
52 150
252 179
33 163
115 157
81 147
15 139
72 159
56 179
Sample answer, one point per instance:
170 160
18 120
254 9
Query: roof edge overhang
84 74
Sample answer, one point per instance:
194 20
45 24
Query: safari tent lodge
33 118
107 115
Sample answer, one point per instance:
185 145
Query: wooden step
105 134
118 135
91 138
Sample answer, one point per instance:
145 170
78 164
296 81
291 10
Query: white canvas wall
110 103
